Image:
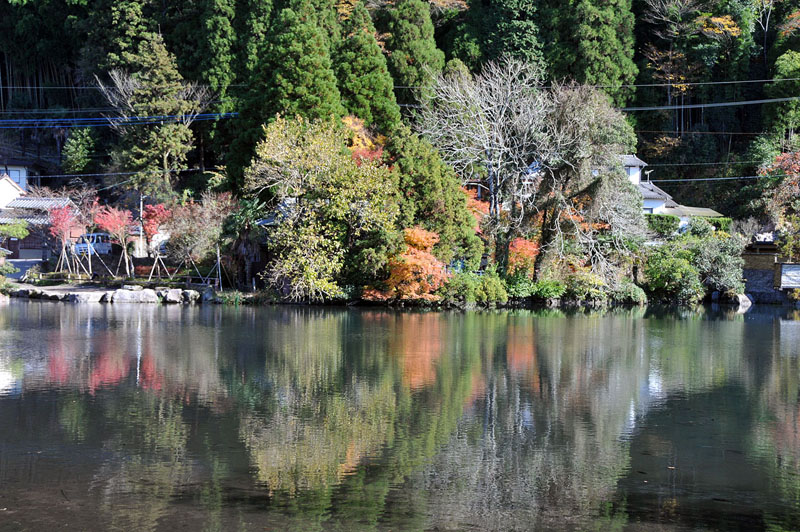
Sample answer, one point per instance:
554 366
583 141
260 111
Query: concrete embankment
126 294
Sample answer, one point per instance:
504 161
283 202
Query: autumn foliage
416 274
61 221
522 256
117 223
786 166
152 218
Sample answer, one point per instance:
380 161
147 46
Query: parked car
93 244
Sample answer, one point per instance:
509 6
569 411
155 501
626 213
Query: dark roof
39 204
8 216
650 191
632 160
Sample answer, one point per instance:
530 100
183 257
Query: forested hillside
316 57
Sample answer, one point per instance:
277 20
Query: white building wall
19 174
654 206
634 174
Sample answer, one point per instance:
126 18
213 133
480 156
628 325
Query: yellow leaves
722 27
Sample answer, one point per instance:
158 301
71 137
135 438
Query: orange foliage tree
522 256
416 274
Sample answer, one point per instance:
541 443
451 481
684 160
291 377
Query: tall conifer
302 81
593 43
364 80
413 53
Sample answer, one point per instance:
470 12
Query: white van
93 244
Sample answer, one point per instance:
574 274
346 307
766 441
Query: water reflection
300 418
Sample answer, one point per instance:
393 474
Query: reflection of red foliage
521 355
110 368
58 365
149 378
420 337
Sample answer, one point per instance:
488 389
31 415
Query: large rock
146 295
133 287
173 296
209 296
190 296
84 297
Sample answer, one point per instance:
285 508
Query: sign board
790 275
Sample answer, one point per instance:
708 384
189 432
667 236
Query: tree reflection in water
309 418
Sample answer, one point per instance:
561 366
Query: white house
18 170
655 200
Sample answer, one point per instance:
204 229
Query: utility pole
141 222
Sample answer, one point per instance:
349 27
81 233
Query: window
648 210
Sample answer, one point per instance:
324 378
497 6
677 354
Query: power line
678 133
728 163
107 122
707 105
689 181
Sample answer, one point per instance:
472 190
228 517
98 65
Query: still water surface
165 418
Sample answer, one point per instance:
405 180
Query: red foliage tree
117 223
152 218
416 274
786 168
522 256
61 220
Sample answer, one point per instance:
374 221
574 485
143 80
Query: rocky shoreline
125 294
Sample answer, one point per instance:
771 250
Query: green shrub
673 277
722 223
628 293
464 288
519 285
663 224
491 290
700 227
586 286
719 261
8 269
548 289
460 289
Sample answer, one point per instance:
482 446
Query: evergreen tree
513 31
115 30
364 80
413 53
296 76
215 53
156 151
592 42
433 199
302 81
252 19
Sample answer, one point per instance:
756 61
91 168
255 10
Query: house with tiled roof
655 200
15 207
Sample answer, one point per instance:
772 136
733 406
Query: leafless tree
763 10
491 129
122 94
672 17
548 157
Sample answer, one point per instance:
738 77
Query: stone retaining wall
127 294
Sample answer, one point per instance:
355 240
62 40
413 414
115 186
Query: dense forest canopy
316 58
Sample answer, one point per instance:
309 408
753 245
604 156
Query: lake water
166 418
